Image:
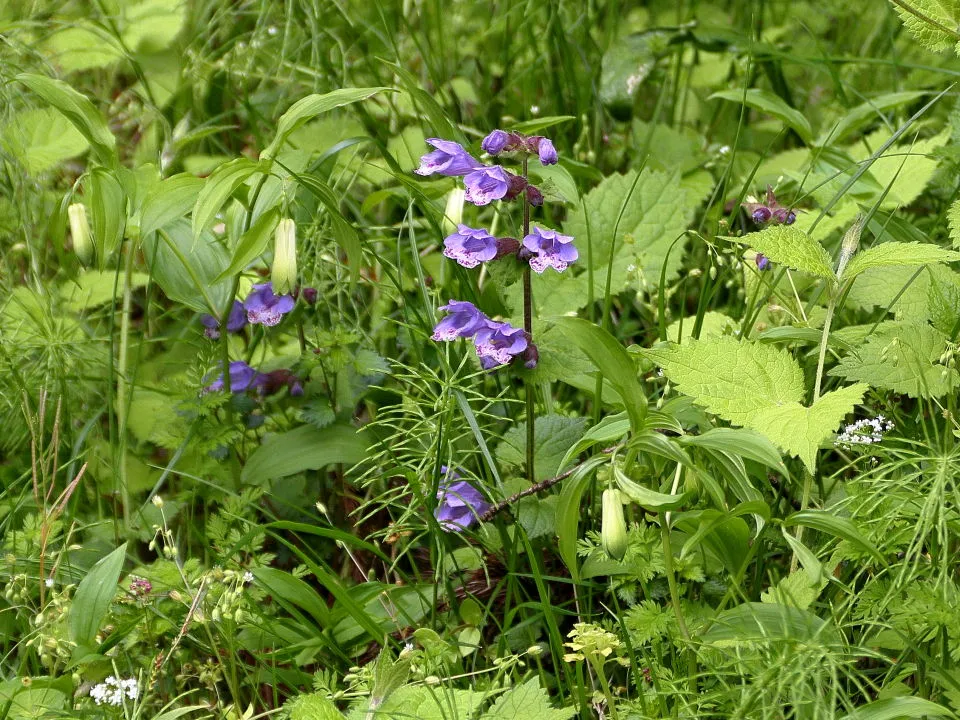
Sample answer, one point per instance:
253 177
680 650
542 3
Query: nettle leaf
898 253
771 104
553 436
526 701
928 21
903 357
905 168
953 220
789 245
799 430
732 379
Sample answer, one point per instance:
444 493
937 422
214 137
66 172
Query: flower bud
546 152
284 275
80 232
495 142
534 196
613 528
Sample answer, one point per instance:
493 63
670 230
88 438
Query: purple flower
470 247
264 307
761 214
449 158
486 185
242 378
784 216
551 248
460 504
497 343
547 152
235 321
763 262
495 142
463 321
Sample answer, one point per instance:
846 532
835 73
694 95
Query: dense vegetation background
744 390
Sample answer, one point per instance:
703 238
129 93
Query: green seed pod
80 232
284 275
613 528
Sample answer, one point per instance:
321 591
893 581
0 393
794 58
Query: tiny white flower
272 30
112 691
534 109
247 577
724 149
48 582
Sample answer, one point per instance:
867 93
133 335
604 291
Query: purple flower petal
463 321
470 247
242 378
498 343
495 142
485 185
459 505
547 152
265 308
449 159
551 249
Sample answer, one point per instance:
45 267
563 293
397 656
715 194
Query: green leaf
756 622
905 169
790 246
772 105
108 212
953 220
528 701
897 253
800 430
899 707
932 22
741 442
152 25
732 379
94 595
424 703
612 360
169 200
304 448
252 243
866 113
568 512
611 428
78 109
217 188
42 138
535 127
903 357
93 287
553 436
285 588
840 527
81 46
649 499
310 107
389 675
312 706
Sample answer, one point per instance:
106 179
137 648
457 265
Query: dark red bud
506 246
534 196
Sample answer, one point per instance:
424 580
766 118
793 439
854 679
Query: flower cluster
261 307
112 691
769 211
140 586
496 343
459 504
865 432
244 378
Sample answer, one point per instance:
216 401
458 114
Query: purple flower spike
486 185
763 262
460 504
498 343
264 307
463 321
470 247
547 152
495 142
242 378
235 321
551 248
449 159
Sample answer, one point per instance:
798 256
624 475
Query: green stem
122 400
671 576
597 665
528 328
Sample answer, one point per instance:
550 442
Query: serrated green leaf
423 703
953 220
931 21
896 253
903 357
218 188
312 706
905 168
94 595
772 105
553 436
528 701
732 379
790 246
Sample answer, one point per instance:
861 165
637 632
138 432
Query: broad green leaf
611 428
424 703
790 246
185 268
902 357
840 527
94 595
932 22
953 220
772 105
108 212
312 706
93 287
310 107
896 253
528 701
808 560
725 535
304 448
286 588
732 379
179 712
218 188
535 127
553 436
743 442
169 200
626 64
79 110
755 622
152 25
864 114
252 244
646 498
612 360
82 46
800 430
898 707
568 512
905 169
42 138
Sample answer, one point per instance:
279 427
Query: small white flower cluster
112 690
865 432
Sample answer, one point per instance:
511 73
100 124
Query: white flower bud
80 232
284 274
613 528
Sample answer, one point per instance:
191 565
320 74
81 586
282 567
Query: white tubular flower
284 274
80 232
